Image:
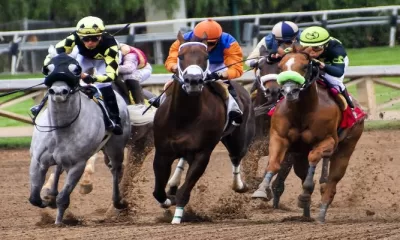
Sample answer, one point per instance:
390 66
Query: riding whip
20 90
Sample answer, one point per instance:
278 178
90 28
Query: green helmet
314 36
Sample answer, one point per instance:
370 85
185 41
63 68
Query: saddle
337 96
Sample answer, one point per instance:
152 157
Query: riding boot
349 102
136 90
36 109
111 102
234 114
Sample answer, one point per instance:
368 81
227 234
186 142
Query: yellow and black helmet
90 26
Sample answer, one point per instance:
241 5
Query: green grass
374 56
16 142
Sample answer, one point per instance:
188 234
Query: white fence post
393 27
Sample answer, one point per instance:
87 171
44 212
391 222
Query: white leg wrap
175 180
178 215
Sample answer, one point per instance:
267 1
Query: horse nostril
64 92
51 91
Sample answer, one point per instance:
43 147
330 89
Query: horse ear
180 37
297 48
204 40
263 51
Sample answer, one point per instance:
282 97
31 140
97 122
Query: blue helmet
285 30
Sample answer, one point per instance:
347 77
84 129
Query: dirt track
365 207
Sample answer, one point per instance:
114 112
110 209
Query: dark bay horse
190 123
306 122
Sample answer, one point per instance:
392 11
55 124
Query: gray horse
67 134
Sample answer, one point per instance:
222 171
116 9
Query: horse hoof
166 204
121 205
304 200
320 220
243 189
265 194
176 220
86 188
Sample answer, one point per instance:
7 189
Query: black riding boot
36 109
235 116
111 102
347 97
136 90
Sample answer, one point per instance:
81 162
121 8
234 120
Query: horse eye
181 57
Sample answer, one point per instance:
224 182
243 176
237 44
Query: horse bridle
193 67
53 128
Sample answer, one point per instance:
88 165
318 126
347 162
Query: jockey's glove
316 62
89 79
214 76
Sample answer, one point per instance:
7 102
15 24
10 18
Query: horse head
193 64
298 72
62 77
266 75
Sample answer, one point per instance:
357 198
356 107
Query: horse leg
300 167
324 175
50 189
162 171
323 150
196 169
37 175
339 162
278 185
116 158
175 180
63 198
86 183
277 150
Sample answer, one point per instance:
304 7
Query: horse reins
178 79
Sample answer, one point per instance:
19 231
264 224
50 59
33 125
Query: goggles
90 39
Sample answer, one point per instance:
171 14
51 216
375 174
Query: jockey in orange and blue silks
223 50
283 35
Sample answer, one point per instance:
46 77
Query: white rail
158 79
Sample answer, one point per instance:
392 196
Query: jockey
99 49
283 35
134 69
223 50
330 55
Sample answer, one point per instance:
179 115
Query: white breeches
337 82
140 75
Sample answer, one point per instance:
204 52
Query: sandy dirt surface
366 205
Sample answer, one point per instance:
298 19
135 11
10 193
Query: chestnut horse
190 123
306 122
